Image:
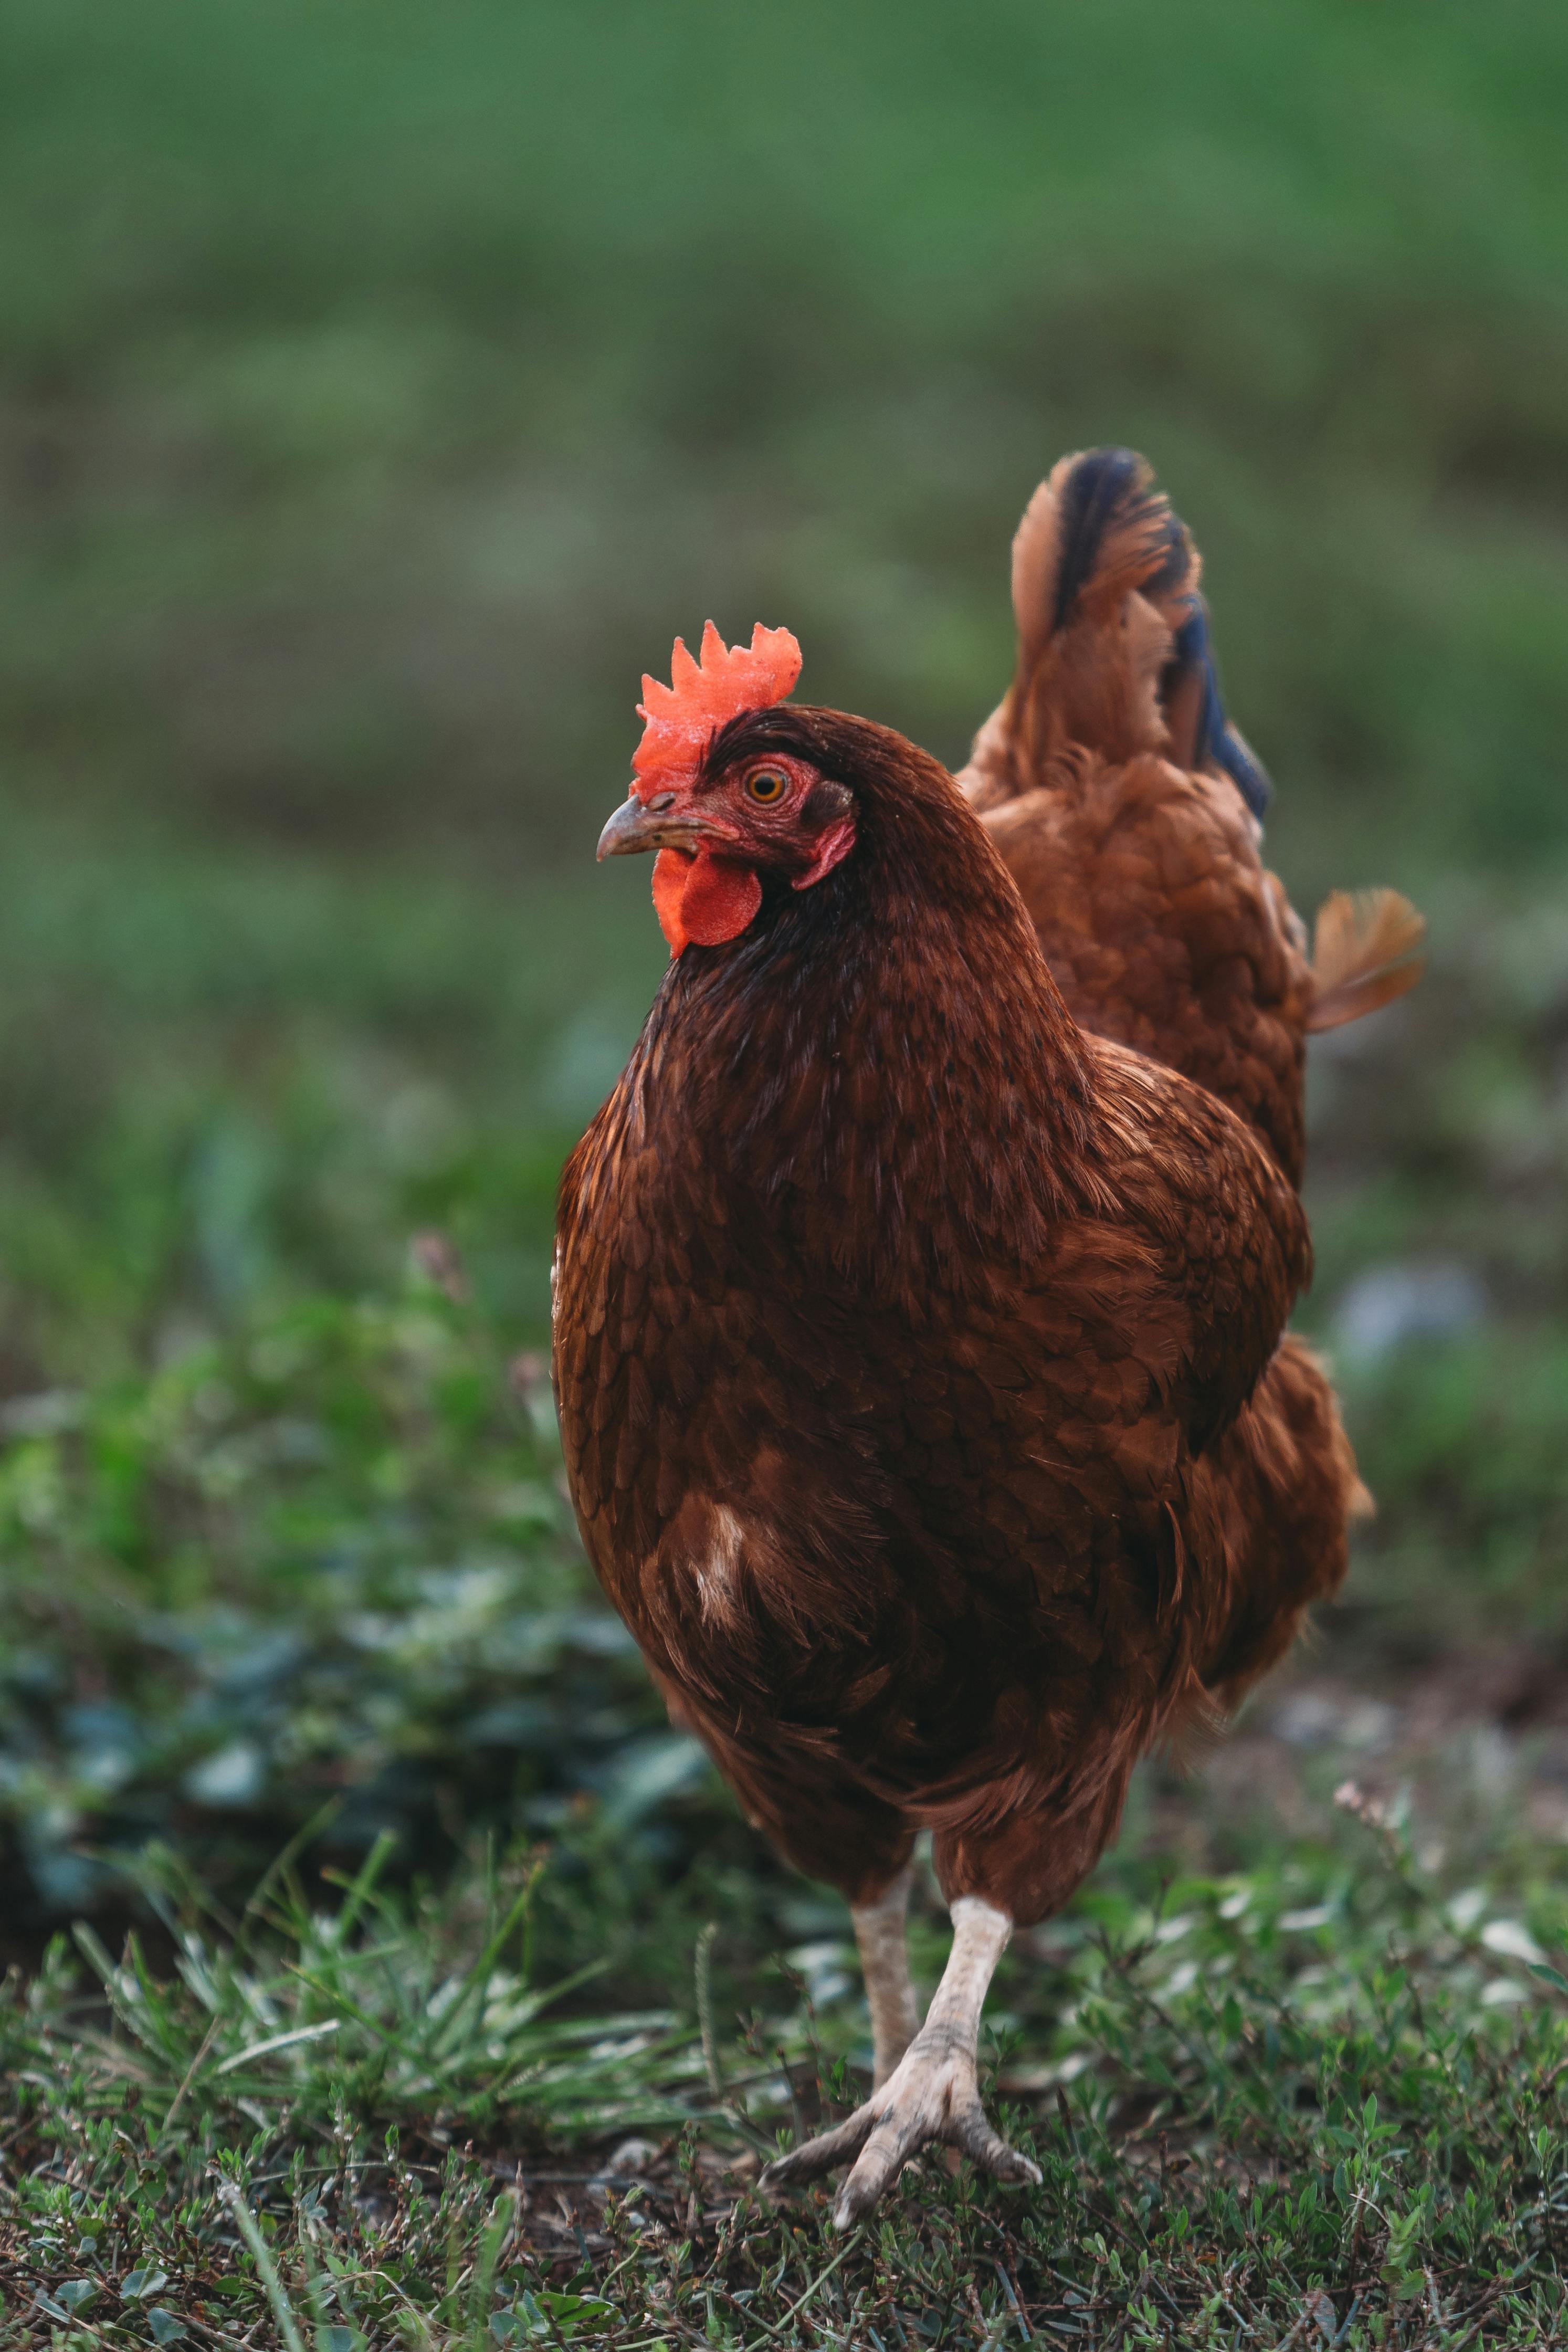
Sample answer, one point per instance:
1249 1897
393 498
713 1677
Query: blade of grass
207 2040
279 2041
140 2018
477 1976
772 2330
491 2245
229 2196
703 1971
359 1889
281 1862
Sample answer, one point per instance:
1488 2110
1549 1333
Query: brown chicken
1128 810
918 1360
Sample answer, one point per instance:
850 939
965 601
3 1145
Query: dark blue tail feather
1100 484
1216 741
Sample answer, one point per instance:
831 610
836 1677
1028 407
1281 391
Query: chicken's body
1164 930
1127 808
919 1364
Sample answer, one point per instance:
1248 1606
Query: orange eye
767 786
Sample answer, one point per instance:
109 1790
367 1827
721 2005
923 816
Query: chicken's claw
932 2095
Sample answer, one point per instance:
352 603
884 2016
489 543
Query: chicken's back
1164 931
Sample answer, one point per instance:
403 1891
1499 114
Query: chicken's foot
933 2094
880 1933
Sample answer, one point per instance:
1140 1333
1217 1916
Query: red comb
682 716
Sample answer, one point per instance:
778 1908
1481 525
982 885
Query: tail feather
1115 658
1201 734
1366 950
1093 531
1114 651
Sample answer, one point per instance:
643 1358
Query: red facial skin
718 837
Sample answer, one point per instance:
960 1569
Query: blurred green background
381 388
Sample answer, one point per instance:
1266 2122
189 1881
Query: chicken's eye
767 786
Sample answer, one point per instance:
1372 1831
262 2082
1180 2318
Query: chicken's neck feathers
884 1072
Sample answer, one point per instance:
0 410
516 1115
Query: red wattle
719 899
704 899
671 868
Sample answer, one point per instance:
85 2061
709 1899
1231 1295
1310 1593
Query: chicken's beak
651 825
627 830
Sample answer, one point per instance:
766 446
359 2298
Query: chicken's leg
933 2094
880 1932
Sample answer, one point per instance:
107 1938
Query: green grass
1326 2096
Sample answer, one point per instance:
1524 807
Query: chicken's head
722 825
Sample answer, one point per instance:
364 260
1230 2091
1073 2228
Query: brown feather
1366 950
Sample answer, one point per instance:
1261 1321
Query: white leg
933 2094
881 1934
